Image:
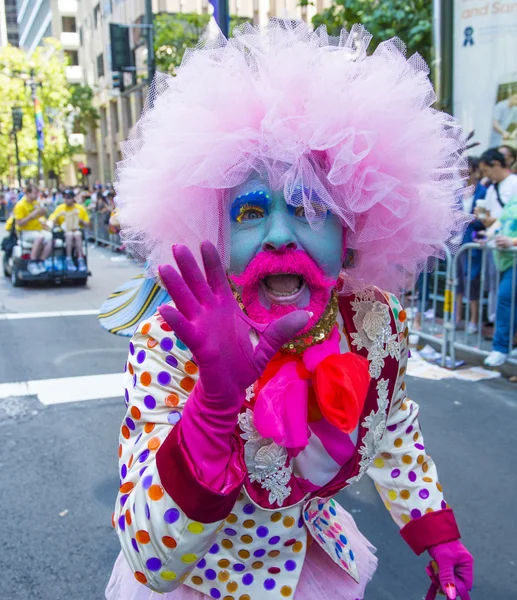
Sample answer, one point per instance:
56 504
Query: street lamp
17 115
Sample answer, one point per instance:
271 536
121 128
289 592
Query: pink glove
230 350
451 571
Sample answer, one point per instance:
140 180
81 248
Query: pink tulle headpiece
308 112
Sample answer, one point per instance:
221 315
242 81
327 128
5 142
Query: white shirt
505 115
507 190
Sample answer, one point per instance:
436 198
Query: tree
410 20
83 111
46 68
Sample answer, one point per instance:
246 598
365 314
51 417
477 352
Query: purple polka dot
150 402
142 471
201 564
259 553
146 481
122 523
247 579
123 471
138 439
134 380
424 494
140 357
443 504
419 447
130 423
174 417
239 567
415 513
391 427
134 544
301 523
171 515
249 509
290 565
125 367
171 361
144 456
409 429
215 593
395 473
214 549
274 540
126 394
230 531
166 344
147 512
270 584
154 564
131 348
123 499
210 574
164 378
412 476
262 531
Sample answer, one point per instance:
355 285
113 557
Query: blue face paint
262 219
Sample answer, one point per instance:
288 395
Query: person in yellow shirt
30 226
72 218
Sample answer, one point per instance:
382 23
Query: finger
180 325
178 290
464 571
192 274
215 273
285 328
463 591
447 580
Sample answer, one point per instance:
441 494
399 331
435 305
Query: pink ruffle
311 113
321 578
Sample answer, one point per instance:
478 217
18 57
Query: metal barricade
99 232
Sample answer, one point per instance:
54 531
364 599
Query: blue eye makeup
250 207
297 209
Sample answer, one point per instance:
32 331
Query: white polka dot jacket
176 529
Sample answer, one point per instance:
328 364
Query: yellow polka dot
405 494
387 505
406 459
288 522
439 486
223 576
231 518
398 443
403 406
275 517
297 547
189 558
429 510
427 479
405 518
286 591
420 459
196 527
168 575
392 495
379 463
232 586
416 436
223 563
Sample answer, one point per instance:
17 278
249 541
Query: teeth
284 293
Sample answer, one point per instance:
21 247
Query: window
68 24
81 38
114 118
100 65
96 15
73 57
108 7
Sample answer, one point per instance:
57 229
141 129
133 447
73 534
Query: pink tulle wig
357 132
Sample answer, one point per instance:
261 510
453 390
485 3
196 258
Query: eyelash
245 208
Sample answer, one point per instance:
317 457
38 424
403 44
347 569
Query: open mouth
283 288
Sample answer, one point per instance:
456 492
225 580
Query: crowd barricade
4 213
466 283
100 233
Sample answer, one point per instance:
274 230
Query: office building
8 23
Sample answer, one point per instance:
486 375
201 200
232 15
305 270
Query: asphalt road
58 463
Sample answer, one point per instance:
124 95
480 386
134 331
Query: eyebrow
260 197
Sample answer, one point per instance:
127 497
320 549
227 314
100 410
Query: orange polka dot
257 564
146 328
154 443
232 518
140 577
398 443
190 367
130 462
406 459
151 343
169 541
402 316
439 486
249 524
129 520
227 544
425 467
286 591
404 494
130 368
148 427
135 412
429 510
276 517
145 378
243 554
297 547
274 553
246 539
155 492
223 563
125 432
420 459
187 383
288 522
172 400
223 576
232 586
196 580
120 450
113 519
427 479
142 536
126 487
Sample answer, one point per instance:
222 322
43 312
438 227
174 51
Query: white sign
485 70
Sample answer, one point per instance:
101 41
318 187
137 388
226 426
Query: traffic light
17 118
117 81
120 49
86 171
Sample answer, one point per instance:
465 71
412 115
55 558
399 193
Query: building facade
119 111
8 23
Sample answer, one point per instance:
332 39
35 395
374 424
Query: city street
58 455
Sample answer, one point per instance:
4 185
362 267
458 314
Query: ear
348 260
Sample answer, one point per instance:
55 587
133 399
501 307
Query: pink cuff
183 483
431 529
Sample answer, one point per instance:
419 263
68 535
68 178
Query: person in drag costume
301 184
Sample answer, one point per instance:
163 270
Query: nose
279 236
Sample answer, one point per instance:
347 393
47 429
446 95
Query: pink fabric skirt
320 579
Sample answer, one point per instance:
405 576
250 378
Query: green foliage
84 112
410 20
46 68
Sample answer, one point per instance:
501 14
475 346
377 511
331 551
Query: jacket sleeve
166 517
404 473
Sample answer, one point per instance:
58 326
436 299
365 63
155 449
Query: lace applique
372 322
266 461
375 424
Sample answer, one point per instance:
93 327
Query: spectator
28 215
71 217
505 262
505 121
510 156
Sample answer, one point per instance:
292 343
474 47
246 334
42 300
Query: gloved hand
231 352
451 571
